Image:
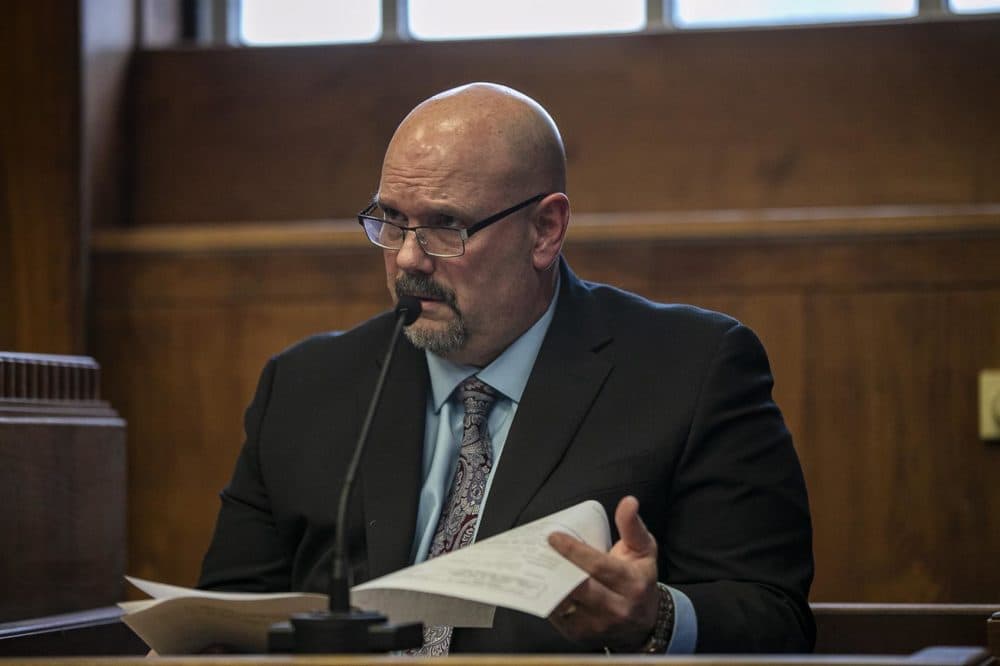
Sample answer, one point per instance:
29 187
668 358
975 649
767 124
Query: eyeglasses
436 241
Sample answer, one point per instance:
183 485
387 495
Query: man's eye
448 222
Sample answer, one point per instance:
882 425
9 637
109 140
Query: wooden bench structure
62 487
842 629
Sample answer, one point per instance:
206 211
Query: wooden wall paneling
204 357
183 333
765 263
60 161
904 492
857 115
64 528
655 266
62 487
239 277
40 235
191 371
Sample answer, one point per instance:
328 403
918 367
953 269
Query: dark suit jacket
669 403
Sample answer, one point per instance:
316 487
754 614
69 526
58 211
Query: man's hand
616 607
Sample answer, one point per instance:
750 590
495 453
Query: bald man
662 413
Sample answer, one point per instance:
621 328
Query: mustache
421 286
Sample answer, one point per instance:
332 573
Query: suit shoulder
628 310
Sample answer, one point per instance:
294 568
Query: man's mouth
427 298
427 292
430 301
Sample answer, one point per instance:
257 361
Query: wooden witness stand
61 443
941 656
54 424
62 487
848 634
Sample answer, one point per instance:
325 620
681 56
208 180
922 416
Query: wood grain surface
764 118
875 338
41 252
834 187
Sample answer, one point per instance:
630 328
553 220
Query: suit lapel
565 381
392 461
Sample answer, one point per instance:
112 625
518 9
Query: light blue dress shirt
508 374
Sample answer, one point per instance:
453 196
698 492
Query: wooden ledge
938 656
49 378
746 224
881 610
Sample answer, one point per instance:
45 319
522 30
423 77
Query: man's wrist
659 639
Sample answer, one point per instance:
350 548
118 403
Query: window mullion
932 8
660 15
395 26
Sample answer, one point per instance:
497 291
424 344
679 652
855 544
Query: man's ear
551 221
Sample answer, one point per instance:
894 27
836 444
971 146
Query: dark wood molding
63 481
41 233
708 225
860 115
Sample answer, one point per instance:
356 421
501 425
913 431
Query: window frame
219 22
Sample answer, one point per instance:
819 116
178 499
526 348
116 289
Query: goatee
437 341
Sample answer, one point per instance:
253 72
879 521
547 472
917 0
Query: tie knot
478 397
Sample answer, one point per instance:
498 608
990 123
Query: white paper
517 569
180 620
164 591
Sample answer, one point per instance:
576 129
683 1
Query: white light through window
265 22
703 13
471 19
974 6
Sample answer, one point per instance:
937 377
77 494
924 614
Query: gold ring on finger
569 610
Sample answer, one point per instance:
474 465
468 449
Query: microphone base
335 632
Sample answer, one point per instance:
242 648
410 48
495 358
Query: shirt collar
508 373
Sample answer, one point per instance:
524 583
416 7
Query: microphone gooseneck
340 629
410 307
407 311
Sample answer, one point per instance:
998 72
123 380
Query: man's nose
411 257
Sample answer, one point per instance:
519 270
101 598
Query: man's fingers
605 568
594 615
633 531
616 604
589 611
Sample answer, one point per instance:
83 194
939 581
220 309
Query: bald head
487 161
502 133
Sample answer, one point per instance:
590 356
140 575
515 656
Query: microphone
339 629
409 307
407 310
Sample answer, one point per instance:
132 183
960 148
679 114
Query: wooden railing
899 628
48 378
842 629
62 487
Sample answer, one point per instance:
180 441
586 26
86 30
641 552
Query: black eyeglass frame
464 233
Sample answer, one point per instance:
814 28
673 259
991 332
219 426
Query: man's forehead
414 203
444 141
447 179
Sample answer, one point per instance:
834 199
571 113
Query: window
706 13
974 6
469 19
269 22
265 22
